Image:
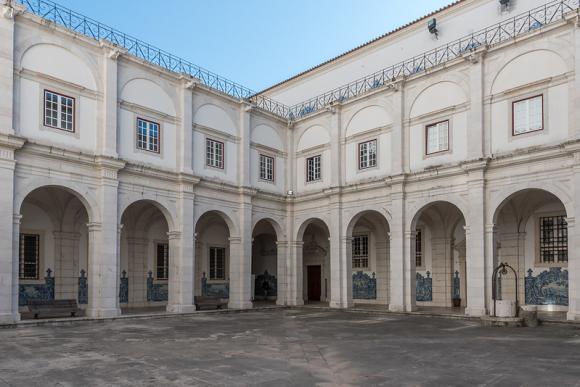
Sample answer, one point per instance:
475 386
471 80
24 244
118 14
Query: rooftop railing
511 28
81 24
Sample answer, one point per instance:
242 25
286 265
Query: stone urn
505 308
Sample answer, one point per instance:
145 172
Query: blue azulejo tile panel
83 296
364 286
221 289
124 289
43 291
156 291
456 286
424 287
266 285
550 287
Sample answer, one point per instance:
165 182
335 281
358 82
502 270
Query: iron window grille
217 263
367 154
360 251
553 239
266 168
29 254
162 261
418 249
147 135
59 111
437 137
214 153
313 168
528 115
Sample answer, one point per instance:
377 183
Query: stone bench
53 308
209 302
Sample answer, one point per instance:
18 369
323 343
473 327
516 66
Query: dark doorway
314 284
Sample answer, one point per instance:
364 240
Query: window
217 263
266 168
59 111
360 251
418 249
29 256
437 137
367 154
162 261
313 168
147 135
214 153
553 239
528 115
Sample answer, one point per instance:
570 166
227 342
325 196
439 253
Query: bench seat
53 308
209 302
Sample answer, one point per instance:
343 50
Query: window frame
361 258
514 134
73 114
538 240
273 167
427 153
166 263
209 264
376 161
311 158
148 121
38 256
223 154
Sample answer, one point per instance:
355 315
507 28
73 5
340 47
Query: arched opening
144 259
368 234
315 261
531 235
212 251
53 248
438 257
265 273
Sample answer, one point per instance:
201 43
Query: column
107 136
185 130
244 154
475 112
66 270
382 273
340 294
137 271
491 260
241 258
441 263
397 134
409 271
398 289
574 246
281 271
295 296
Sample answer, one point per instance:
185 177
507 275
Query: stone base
396 308
299 302
102 313
475 312
340 305
180 308
240 304
9 318
502 322
573 316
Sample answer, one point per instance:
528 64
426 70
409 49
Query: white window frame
164 266
530 125
267 165
441 136
214 153
313 168
59 105
213 266
360 259
149 142
367 154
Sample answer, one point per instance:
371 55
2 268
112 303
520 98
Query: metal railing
509 29
91 28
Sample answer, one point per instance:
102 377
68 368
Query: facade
131 179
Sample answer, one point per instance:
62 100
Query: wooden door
314 283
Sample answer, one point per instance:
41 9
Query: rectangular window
217 263
437 137
367 154
59 111
29 256
266 168
147 135
360 251
162 261
313 172
553 239
528 115
214 153
418 249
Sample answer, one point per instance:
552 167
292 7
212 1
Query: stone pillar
398 288
441 263
282 271
475 112
491 261
382 273
409 272
244 154
295 295
574 243
340 294
241 257
107 136
66 270
397 133
137 251
185 130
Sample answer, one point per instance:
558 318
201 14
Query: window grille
360 251
162 261
29 254
418 249
59 111
553 239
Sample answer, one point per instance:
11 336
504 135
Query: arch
538 64
232 227
280 234
88 201
313 136
268 136
436 97
170 218
359 215
147 93
64 64
215 117
309 221
420 207
367 118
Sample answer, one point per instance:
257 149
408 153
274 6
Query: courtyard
298 347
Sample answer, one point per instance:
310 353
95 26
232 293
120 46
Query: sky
256 43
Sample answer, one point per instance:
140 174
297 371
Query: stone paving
289 347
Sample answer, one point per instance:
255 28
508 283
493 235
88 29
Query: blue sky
255 42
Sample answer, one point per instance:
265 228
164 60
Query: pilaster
475 112
185 132
397 131
340 294
574 246
295 295
107 136
241 256
399 288
282 272
244 177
